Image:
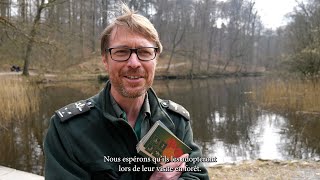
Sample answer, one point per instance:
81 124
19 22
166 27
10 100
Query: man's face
131 78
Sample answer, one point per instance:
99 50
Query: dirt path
260 169
9 73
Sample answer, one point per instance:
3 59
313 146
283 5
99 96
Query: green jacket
77 147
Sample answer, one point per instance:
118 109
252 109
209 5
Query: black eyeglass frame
136 51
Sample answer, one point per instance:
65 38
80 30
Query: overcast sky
273 12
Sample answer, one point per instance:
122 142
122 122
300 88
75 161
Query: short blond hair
137 23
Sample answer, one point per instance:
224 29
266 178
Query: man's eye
121 52
145 52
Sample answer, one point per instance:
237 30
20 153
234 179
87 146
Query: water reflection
21 142
230 126
21 145
227 124
302 139
268 133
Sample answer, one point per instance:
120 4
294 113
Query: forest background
202 37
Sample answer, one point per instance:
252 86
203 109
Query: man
91 139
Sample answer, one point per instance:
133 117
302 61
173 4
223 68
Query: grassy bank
267 170
19 98
289 96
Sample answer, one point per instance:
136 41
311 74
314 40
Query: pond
227 122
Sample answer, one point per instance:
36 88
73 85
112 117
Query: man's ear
105 62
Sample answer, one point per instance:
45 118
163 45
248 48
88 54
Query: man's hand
157 175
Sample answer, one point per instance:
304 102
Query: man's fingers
182 165
178 163
173 164
184 156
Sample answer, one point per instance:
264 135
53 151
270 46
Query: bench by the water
13 174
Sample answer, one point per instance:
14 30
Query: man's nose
134 61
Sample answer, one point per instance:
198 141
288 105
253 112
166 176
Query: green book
160 142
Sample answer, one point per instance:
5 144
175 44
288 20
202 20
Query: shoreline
7 173
267 169
56 77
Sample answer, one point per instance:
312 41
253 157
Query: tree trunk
212 37
4 8
81 28
175 43
23 12
93 33
170 59
31 39
104 13
192 70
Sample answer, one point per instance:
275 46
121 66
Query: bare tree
32 35
176 40
93 25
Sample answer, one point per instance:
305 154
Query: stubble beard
133 94
121 88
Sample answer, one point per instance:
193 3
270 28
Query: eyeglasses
123 54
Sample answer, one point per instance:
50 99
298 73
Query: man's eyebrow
121 46
129 47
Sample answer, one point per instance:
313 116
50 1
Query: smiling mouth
133 77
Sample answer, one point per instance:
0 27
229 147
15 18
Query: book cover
160 142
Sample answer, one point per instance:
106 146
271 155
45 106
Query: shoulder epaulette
73 109
175 107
